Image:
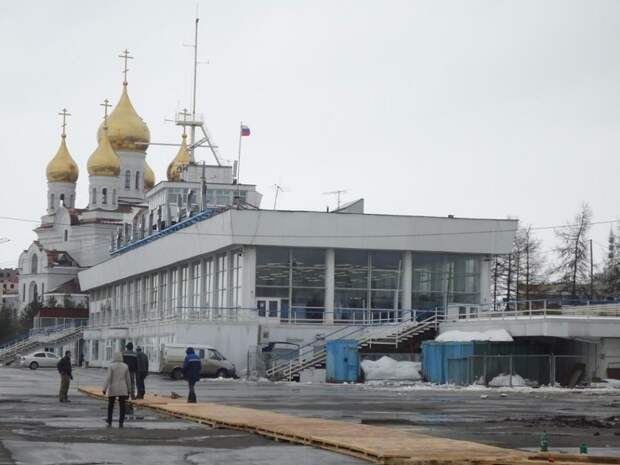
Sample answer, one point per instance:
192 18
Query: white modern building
239 278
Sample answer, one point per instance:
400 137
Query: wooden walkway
373 443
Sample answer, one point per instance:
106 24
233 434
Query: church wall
131 179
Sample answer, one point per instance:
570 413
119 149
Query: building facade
240 278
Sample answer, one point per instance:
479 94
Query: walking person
191 371
142 373
66 375
130 359
117 386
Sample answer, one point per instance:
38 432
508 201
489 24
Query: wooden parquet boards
373 443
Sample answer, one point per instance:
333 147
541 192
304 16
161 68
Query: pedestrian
117 386
191 370
66 375
131 360
143 371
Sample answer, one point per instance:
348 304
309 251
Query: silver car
39 360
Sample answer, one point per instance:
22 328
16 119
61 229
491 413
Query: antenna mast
193 131
196 120
337 193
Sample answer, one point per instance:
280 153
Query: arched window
66 235
33 292
62 200
34 265
137 180
113 196
93 199
127 180
104 196
52 201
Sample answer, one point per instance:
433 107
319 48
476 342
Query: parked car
214 364
39 360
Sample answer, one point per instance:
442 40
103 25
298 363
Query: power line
349 236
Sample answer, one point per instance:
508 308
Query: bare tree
610 277
572 251
529 264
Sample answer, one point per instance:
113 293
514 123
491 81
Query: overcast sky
477 108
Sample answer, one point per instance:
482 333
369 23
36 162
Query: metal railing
531 309
293 316
313 353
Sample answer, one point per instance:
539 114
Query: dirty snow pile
504 381
387 368
495 335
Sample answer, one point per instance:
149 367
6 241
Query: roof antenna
337 193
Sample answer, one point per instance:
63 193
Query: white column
406 279
330 283
248 282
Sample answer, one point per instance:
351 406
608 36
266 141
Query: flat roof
286 228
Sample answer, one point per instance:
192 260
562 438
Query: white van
213 363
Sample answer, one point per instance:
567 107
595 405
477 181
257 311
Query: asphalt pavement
36 429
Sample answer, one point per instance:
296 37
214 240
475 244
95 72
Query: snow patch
504 381
388 368
495 335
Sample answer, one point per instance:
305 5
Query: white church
193 259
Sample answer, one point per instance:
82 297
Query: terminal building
238 278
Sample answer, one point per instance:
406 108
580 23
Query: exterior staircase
38 339
313 355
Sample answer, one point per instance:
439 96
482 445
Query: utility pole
591 272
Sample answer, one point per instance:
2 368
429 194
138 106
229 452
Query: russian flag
245 131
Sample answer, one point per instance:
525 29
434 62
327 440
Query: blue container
343 361
443 360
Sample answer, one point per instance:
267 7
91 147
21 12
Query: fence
514 370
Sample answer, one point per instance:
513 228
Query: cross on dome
64 113
105 105
125 56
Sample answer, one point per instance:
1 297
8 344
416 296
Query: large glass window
174 284
440 279
163 292
222 282
183 297
367 284
208 283
196 280
236 278
295 276
154 300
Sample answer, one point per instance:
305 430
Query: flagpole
239 160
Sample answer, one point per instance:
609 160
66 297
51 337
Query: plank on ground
374 443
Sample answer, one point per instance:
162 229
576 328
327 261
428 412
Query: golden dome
62 168
126 130
149 177
104 161
180 161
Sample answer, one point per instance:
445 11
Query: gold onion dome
149 177
180 161
62 168
104 161
126 130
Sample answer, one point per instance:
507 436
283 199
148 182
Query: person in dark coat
142 373
191 371
130 359
66 375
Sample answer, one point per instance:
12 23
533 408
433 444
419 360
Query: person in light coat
117 385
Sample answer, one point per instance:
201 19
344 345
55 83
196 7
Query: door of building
268 309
